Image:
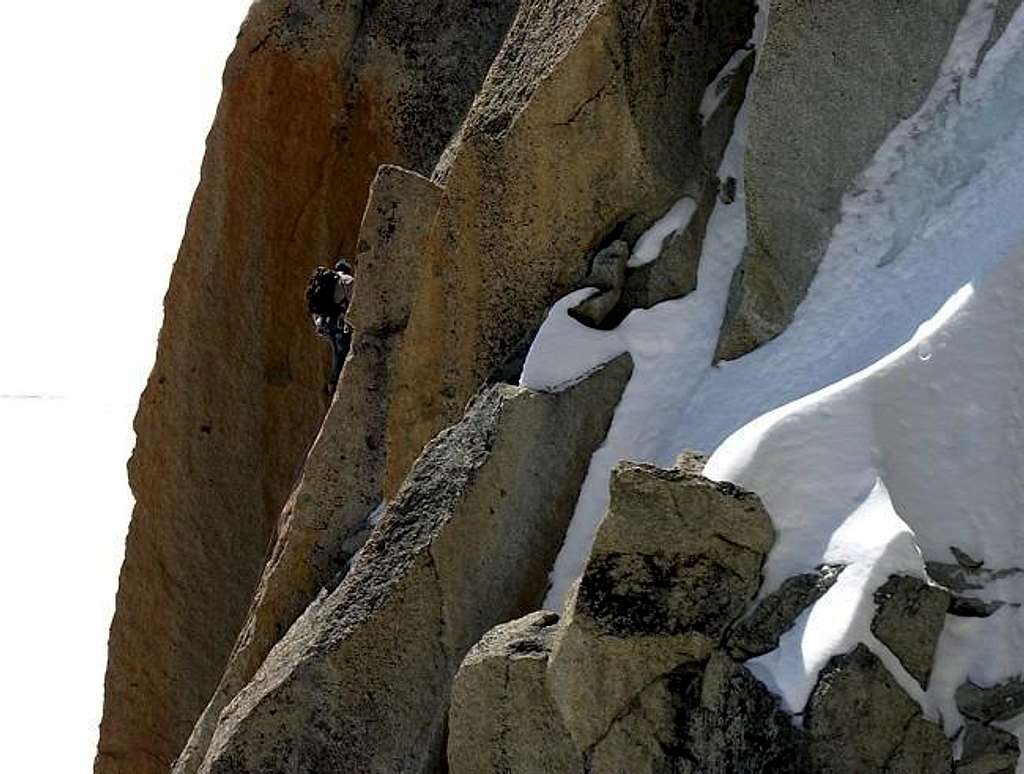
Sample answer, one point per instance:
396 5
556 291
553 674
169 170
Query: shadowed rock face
988 750
824 100
759 631
361 681
316 96
860 720
1003 701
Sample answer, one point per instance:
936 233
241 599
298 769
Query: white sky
105 111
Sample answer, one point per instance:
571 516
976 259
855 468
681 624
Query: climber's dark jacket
328 296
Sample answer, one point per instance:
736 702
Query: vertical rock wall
832 81
324 520
586 129
316 96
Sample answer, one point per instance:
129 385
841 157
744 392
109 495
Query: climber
328 295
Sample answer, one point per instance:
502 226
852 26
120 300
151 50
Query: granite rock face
316 96
342 481
642 677
806 149
586 129
466 544
476 161
502 717
543 125
636 678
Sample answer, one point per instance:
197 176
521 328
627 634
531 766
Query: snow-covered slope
890 468
904 362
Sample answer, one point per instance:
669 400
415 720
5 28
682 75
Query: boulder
824 100
739 726
675 561
324 519
673 273
607 274
908 620
316 96
860 721
502 717
972 607
986 704
466 543
587 128
988 750
759 631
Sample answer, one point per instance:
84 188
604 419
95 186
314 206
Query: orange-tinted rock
323 522
316 96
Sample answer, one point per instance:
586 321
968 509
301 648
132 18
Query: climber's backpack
320 292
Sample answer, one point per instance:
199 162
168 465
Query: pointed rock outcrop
675 561
361 681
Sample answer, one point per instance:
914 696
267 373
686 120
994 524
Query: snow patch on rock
648 246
